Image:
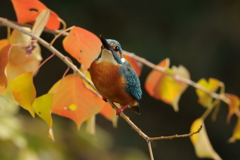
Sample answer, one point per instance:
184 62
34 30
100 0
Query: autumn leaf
3 62
201 143
109 113
153 78
23 91
41 22
72 99
91 125
3 43
42 107
83 45
2 88
19 62
233 105
236 132
137 66
212 85
164 87
28 10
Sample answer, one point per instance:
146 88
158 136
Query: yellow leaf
42 107
167 88
201 143
212 85
19 62
236 132
91 125
41 22
23 91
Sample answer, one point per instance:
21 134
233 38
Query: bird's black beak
105 43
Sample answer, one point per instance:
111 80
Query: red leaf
28 10
83 45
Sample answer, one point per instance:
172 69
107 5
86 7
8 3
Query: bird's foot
105 99
121 110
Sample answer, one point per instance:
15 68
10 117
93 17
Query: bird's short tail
135 109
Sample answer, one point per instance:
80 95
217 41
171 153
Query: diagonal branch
5 22
147 63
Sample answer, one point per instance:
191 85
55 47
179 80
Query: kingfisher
114 77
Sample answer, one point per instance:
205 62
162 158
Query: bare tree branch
13 25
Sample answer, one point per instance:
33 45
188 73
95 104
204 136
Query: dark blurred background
202 35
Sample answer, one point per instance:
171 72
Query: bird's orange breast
109 83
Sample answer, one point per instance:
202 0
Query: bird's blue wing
133 85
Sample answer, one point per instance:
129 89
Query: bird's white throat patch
107 56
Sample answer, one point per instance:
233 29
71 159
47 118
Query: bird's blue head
116 46
113 46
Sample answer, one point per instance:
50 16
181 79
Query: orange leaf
236 132
233 105
201 143
3 62
28 10
83 45
153 78
137 66
212 85
109 113
74 100
2 88
23 91
166 88
19 62
3 43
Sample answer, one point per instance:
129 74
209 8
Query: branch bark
13 25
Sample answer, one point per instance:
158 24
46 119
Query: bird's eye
116 48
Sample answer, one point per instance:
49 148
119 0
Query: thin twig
5 22
150 150
176 136
149 64
179 78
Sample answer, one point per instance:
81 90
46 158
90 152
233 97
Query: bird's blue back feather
133 83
